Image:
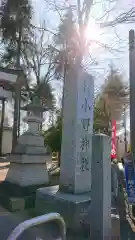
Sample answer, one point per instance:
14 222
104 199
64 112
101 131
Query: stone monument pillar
75 171
28 159
100 213
72 197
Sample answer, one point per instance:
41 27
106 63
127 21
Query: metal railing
37 221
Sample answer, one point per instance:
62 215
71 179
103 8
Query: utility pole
132 90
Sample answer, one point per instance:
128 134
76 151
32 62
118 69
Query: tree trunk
2 126
16 123
59 155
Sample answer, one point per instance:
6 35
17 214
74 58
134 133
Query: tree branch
126 17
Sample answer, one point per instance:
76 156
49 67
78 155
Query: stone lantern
28 159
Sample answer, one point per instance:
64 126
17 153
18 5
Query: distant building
7 136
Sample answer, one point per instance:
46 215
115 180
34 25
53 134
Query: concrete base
14 204
15 198
72 207
27 174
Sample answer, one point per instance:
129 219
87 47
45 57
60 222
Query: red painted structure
114 140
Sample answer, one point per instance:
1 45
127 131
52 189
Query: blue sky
118 37
114 37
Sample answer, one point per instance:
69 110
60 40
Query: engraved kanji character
85 143
86 105
85 123
84 164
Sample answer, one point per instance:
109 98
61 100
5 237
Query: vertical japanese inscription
86 105
85 124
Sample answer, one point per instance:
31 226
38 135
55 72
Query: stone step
14 204
3 211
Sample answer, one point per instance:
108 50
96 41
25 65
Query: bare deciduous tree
38 56
122 18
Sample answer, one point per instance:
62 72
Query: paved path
126 231
3 170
